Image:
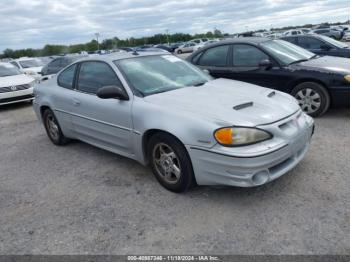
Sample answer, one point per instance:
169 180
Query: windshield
286 52
333 41
30 63
8 70
156 74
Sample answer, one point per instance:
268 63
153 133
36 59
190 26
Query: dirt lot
79 199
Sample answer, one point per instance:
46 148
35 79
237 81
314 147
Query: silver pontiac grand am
162 111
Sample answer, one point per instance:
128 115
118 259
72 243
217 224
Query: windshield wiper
298 61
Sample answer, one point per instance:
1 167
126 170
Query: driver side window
310 43
247 56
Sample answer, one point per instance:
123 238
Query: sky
34 23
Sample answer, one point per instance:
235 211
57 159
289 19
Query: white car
199 46
14 85
301 31
186 48
346 36
29 66
199 40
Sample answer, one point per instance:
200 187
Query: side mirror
266 63
117 92
325 47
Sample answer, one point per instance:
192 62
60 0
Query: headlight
30 73
347 78
240 136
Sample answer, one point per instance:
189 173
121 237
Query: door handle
76 102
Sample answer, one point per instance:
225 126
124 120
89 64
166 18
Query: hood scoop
273 93
242 106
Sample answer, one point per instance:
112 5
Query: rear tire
313 98
170 163
53 128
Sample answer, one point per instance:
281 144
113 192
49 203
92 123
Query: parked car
274 36
199 40
165 47
316 82
346 36
293 32
57 65
150 49
127 49
321 45
29 66
15 86
188 127
199 46
332 33
186 48
174 46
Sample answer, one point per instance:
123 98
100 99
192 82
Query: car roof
239 40
252 40
26 58
305 35
5 64
123 55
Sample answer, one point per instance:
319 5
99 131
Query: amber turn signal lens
224 136
347 78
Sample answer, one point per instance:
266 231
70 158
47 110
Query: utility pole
97 35
167 36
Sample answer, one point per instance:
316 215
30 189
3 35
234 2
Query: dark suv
57 64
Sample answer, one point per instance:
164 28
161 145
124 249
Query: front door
102 122
215 60
245 67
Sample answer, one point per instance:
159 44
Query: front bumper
16 96
340 95
212 167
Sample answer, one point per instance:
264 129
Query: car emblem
13 88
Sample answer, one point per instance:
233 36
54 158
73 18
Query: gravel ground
78 199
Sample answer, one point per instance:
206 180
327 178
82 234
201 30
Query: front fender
191 130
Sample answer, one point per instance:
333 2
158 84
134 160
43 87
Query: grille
16 98
13 88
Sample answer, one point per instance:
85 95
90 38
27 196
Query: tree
217 33
8 53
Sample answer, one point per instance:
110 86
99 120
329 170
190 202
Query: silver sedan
162 111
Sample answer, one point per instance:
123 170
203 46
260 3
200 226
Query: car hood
15 80
326 64
33 69
229 101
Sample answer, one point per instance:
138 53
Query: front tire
179 52
53 128
312 97
170 163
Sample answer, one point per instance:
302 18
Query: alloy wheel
166 163
52 127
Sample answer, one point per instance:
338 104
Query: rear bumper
16 96
214 168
